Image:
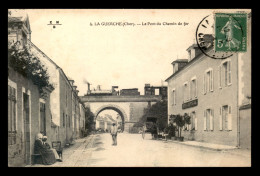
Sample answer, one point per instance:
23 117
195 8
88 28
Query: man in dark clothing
114 133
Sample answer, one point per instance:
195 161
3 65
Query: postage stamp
230 32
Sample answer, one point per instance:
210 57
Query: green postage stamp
231 32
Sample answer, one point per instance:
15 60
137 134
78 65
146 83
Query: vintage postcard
129 87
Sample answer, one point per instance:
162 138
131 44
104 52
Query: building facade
59 115
28 108
209 91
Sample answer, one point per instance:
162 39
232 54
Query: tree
158 110
180 121
90 120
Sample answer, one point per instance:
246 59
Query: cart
150 129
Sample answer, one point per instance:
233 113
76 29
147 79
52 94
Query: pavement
133 151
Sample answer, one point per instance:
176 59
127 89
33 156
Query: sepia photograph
129 87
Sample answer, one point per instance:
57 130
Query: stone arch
116 108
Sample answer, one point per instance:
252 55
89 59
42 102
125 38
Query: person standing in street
114 133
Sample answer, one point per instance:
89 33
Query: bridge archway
116 108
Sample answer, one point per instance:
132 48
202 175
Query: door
26 117
67 129
43 119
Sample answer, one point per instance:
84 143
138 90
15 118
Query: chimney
88 92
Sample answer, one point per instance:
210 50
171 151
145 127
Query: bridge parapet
122 98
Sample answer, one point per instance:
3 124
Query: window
69 121
193 88
66 95
227 73
208 81
174 97
63 120
42 119
157 92
225 118
185 92
208 120
194 122
220 76
11 115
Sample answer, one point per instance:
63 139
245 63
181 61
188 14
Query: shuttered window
229 118
11 115
208 82
226 120
204 84
211 82
174 97
220 76
205 121
209 120
229 72
193 88
220 119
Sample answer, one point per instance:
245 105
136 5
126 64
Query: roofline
180 60
189 63
44 54
54 64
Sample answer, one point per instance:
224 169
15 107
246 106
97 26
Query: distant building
156 90
104 123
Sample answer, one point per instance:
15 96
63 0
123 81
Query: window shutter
196 122
229 118
196 88
220 119
205 121
204 84
220 79
211 80
211 120
229 72
184 93
190 125
190 94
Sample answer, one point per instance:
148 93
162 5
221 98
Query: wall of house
244 60
54 78
16 152
66 132
213 100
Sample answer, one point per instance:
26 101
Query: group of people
49 155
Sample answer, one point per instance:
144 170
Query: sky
125 56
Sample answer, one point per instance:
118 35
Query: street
132 151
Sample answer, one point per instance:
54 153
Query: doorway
27 132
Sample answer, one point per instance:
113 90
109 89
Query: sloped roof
180 60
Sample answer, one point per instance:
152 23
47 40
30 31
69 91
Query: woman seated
48 156
47 146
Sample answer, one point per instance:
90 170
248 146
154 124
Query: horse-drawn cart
150 129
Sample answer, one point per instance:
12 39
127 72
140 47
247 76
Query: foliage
90 119
187 119
180 121
158 110
25 63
